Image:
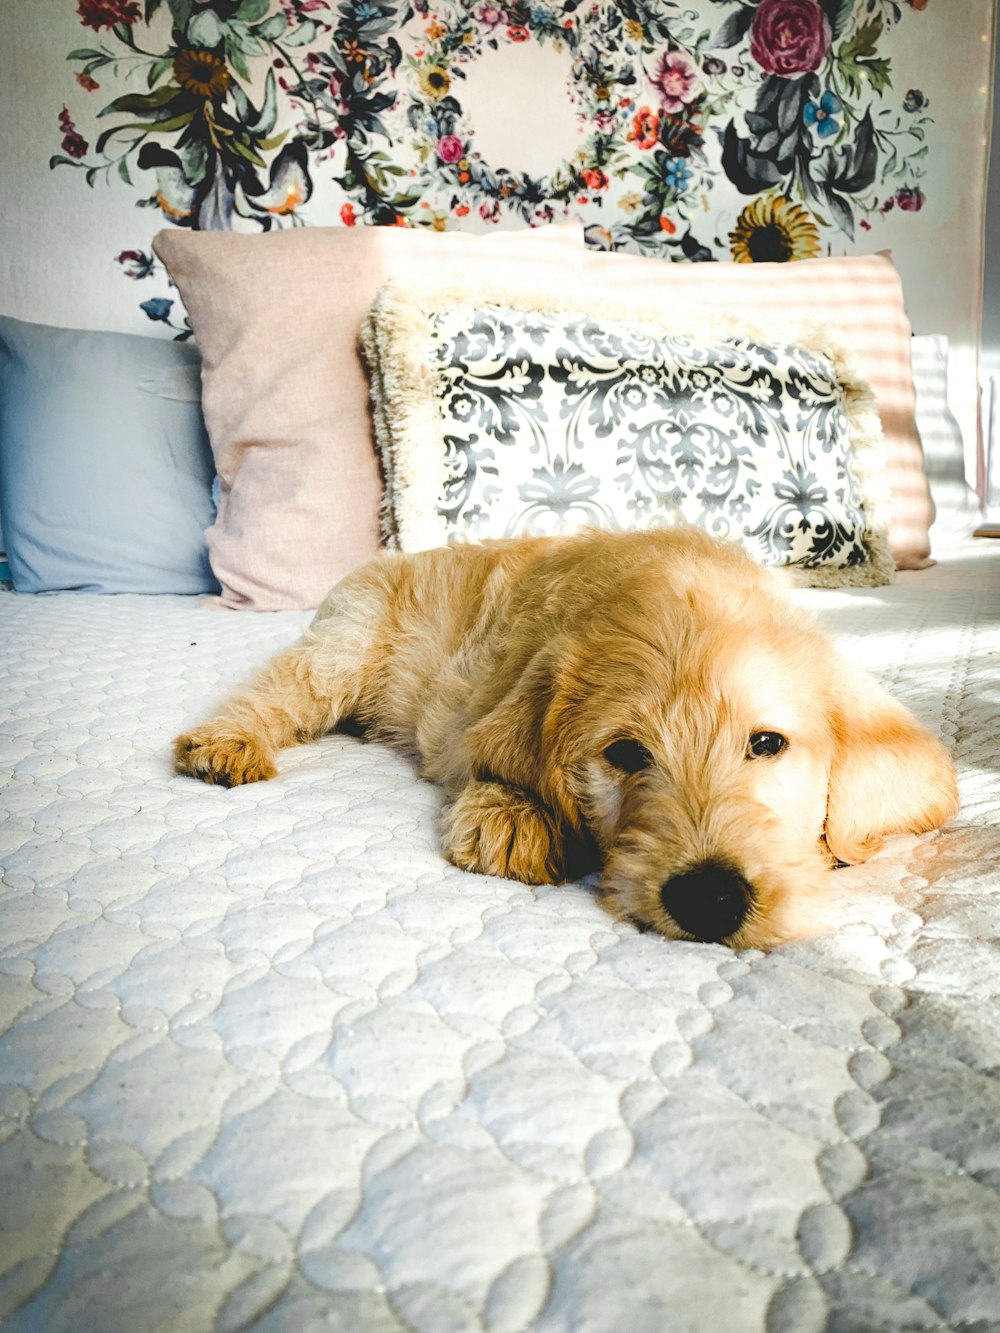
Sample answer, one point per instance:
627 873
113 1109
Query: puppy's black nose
710 901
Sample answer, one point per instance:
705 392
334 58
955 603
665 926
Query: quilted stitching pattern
268 1062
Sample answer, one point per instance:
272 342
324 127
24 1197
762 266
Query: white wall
991 286
990 357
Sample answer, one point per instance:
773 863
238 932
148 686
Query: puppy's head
723 760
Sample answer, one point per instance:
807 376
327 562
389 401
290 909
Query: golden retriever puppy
649 702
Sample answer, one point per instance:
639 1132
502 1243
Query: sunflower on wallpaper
740 129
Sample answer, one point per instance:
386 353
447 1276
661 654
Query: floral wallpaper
741 130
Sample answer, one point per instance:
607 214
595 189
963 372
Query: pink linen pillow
861 295
276 318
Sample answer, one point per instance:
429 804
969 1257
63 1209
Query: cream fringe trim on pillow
409 428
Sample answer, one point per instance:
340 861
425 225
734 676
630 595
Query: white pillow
517 414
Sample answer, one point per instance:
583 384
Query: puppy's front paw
221 755
499 830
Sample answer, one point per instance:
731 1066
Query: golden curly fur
651 702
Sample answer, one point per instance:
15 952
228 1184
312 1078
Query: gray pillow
105 465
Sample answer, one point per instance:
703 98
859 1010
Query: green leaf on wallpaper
137 103
264 123
265 145
59 160
181 11
155 104
123 31
235 57
158 127
842 213
241 102
271 29
858 61
244 150
205 30
381 165
840 15
163 126
252 10
240 35
123 171
85 53
157 70
351 180
734 28
102 139
647 224
305 33
151 7
194 161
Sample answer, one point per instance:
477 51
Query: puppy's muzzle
710 901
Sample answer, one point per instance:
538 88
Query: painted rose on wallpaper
734 129
789 37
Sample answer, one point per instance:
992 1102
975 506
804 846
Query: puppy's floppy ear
507 740
521 740
888 774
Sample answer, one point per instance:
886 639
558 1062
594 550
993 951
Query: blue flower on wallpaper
677 174
824 115
157 308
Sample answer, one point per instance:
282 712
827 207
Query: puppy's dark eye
763 744
628 755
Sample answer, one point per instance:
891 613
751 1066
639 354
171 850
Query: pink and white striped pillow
861 295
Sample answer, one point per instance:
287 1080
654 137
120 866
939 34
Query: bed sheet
268 1062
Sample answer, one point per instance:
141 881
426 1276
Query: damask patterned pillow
860 295
495 419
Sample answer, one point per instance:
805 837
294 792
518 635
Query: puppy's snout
709 901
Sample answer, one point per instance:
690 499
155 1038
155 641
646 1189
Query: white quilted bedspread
267 1062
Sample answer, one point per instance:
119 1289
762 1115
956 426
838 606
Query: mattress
268 1062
